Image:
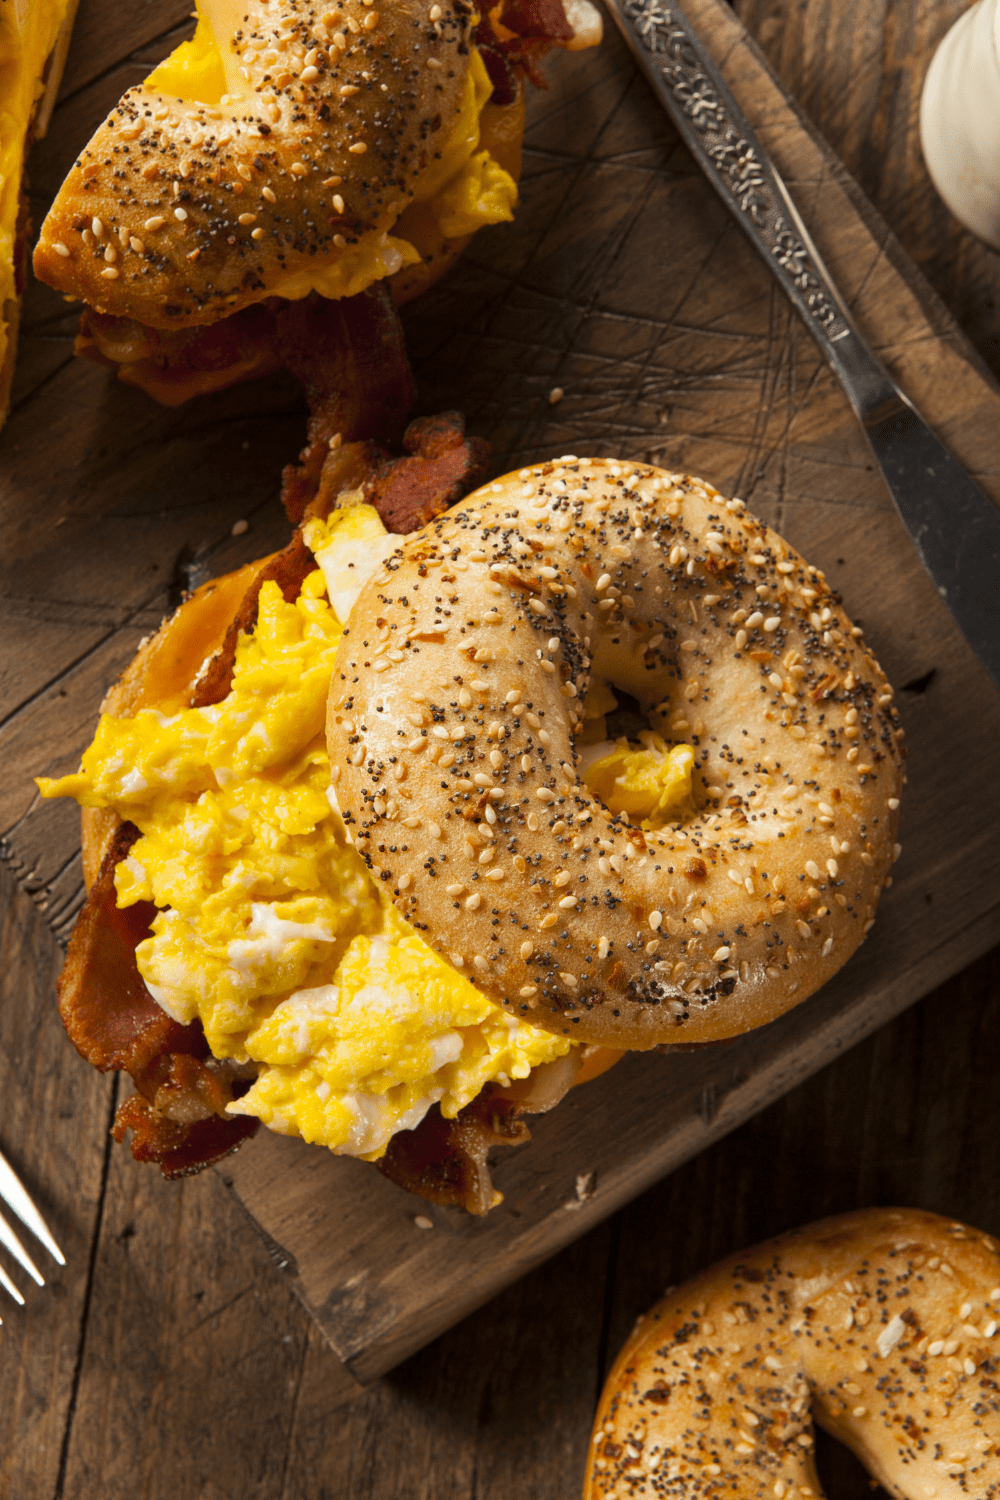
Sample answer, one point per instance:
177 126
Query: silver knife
953 525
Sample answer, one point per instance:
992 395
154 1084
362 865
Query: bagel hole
673 797
628 719
842 1475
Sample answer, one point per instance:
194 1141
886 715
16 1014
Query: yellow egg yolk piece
464 189
194 70
651 786
271 930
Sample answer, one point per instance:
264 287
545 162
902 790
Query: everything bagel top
275 163
479 661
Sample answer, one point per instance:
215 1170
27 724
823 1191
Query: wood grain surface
170 1358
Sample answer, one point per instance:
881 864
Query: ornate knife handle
953 525
718 134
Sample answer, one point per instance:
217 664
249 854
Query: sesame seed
97 228
656 920
240 528
269 194
434 829
136 244
110 273
720 955
180 213
358 149
308 74
544 794
527 991
603 947
481 963
548 921
156 222
247 219
473 902
61 249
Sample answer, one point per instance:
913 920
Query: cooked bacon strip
179 1150
447 1161
351 361
288 569
410 492
173 365
114 1023
532 27
537 19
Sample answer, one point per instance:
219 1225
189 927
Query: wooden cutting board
624 284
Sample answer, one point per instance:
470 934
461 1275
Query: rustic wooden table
170 1358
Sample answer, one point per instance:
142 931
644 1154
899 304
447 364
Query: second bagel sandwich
469 888
287 151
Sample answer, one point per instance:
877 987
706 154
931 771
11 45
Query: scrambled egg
651 787
270 928
28 34
464 189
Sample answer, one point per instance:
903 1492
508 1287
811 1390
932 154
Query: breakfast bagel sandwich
291 151
371 863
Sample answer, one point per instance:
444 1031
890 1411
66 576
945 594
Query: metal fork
14 1194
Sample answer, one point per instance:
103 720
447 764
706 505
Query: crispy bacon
114 1023
525 30
351 361
444 466
447 1161
288 569
173 365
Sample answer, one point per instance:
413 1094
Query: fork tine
10 1239
9 1286
13 1193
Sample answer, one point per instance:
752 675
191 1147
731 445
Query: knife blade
953 525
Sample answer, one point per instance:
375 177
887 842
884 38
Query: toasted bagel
455 709
882 1324
181 211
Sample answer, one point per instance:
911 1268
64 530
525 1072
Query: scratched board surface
624 284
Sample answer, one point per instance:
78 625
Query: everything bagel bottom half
880 1324
683 886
